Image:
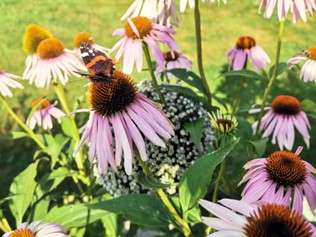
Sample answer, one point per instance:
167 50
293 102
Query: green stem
273 77
22 124
152 73
181 222
60 92
198 38
237 98
218 180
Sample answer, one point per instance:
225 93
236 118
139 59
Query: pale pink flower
159 11
54 63
43 114
137 31
38 229
7 81
308 71
283 116
236 218
120 118
297 7
282 178
246 49
173 60
183 3
85 37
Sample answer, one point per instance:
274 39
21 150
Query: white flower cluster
167 164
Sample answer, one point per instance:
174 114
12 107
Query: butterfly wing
96 61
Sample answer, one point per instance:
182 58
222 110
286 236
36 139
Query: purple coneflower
37 229
238 219
54 62
136 31
245 49
308 71
119 118
284 114
183 3
282 178
173 61
33 35
159 11
297 7
43 114
87 38
7 81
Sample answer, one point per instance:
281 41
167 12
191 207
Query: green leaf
260 146
41 209
190 94
140 209
243 73
195 129
17 135
148 182
67 127
189 77
195 180
281 68
74 216
23 187
309 106
51 181
110 224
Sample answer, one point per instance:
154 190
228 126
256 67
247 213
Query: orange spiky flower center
112 95
286 168
311 53
271 220
22 233
285 104
245 42
143 25
168 56
50 48
41 103
83 37
33 35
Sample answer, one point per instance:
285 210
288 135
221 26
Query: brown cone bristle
272 220
143 25
22 233
285 104
168 56
311 53
286 168
113 95
245 42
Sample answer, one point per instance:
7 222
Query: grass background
221 26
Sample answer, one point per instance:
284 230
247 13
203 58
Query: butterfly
100 66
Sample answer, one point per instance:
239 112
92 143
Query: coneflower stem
152 74
22 124
218 180
181 222
273 77
237 98
198 38
60 92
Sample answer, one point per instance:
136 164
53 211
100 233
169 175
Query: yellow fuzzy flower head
33 35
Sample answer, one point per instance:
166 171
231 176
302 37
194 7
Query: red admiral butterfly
98 64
